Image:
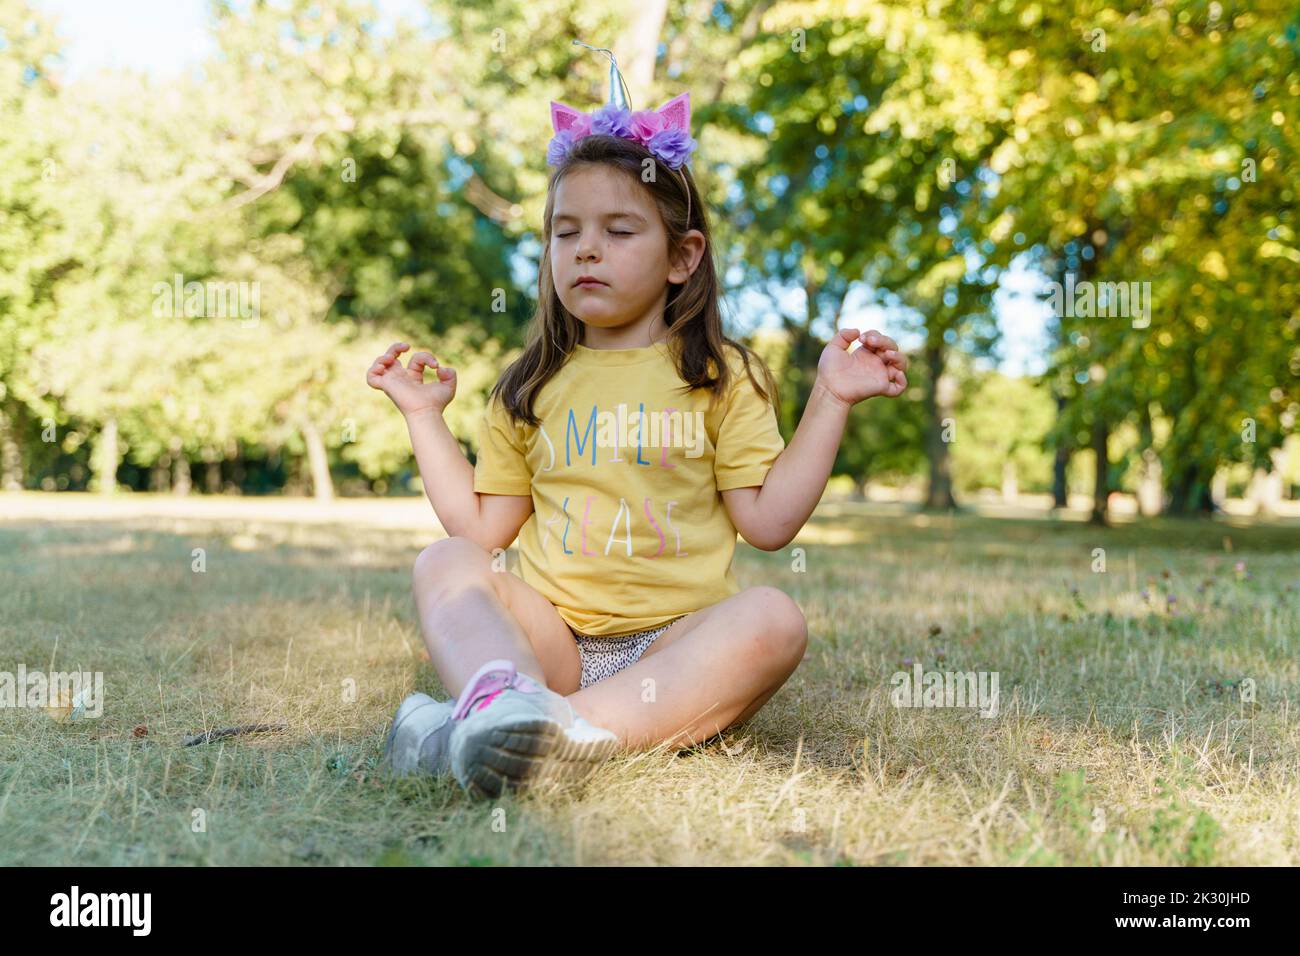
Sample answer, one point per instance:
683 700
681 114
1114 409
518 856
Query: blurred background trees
323 187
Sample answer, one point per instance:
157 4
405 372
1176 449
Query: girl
625 448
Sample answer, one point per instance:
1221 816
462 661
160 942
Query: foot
420 736
511 732
419 740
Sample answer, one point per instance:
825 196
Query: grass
1122 735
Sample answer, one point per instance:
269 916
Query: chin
600 318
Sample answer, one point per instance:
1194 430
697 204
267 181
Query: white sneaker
510 732
419 741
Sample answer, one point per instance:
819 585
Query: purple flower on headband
664 133
673 146
613 121
559 147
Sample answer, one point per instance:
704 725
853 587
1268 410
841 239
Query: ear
677 112
687 257
563 116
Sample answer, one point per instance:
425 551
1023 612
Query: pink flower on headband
646 123
665 132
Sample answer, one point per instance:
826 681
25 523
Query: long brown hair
692 314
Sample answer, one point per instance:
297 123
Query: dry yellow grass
1122 735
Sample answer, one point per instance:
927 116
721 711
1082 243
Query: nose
586 248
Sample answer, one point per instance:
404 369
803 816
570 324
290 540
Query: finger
844 338
895 358
899 385
394 350
421 360
878 340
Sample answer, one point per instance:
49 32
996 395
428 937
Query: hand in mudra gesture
878 368
405 384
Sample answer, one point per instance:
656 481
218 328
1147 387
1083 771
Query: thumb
845 338
451 373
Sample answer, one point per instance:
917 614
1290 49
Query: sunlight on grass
1123 735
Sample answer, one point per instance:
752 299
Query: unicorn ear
563 116
677 113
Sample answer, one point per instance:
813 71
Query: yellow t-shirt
628 529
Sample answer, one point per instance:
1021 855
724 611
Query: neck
649 329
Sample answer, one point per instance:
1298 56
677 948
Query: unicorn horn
618 96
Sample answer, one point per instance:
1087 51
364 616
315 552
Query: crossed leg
710 670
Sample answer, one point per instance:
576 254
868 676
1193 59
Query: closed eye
616 232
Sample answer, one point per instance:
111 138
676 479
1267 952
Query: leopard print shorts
605 656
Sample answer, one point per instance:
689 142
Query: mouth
587 282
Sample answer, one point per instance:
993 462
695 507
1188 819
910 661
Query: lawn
1131 728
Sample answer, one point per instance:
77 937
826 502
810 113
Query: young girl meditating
624 448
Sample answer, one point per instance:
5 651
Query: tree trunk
1190 493
936 402
1101 474
1010 486
181 482
107 458
212 477
1205 500
1150 485
11 450
1060 465
638 48
238 472
321 483
160 475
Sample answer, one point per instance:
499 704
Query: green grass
1122 736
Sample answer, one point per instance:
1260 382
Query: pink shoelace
488 687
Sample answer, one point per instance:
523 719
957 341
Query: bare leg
471 614
710 670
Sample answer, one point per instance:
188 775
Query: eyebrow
607 217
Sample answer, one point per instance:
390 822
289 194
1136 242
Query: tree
873 119
1138 144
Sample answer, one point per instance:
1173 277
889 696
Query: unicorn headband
665 132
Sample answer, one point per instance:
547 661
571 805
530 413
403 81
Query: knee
447 560
782 631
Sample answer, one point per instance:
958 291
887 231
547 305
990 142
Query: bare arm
770 515
490 520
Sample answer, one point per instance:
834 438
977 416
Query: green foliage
383 185
1154 147
1176 831
1001 426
